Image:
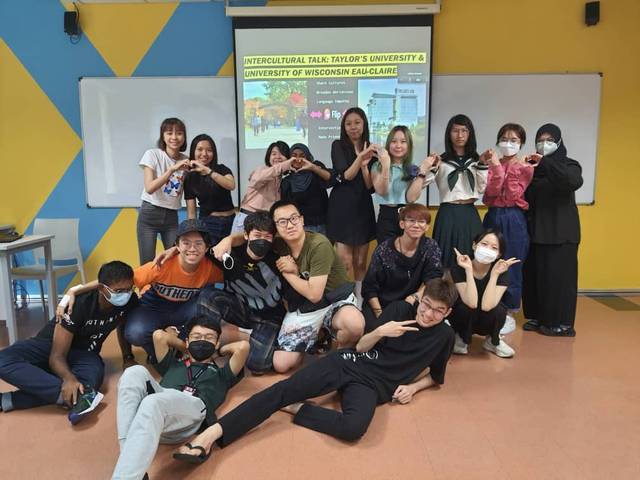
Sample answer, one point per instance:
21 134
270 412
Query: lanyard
190 377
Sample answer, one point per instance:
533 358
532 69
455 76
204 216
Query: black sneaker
531 326
87 402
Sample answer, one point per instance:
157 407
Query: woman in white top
164 169
461 178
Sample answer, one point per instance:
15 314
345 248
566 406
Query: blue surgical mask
118 299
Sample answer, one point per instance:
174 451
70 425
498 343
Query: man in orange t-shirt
170 291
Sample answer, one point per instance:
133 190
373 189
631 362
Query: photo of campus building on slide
388 103
275 110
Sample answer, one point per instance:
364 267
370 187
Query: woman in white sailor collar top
461 178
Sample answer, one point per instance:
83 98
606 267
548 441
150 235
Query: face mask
485 255
118 299
201 350
260 247
508 149
546 147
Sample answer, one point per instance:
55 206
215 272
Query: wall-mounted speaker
591 13
71 26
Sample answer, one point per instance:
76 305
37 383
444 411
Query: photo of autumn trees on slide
275 110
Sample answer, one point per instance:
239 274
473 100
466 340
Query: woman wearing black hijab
306 184
551 269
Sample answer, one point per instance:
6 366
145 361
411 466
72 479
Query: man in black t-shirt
62 364
253 292
393 362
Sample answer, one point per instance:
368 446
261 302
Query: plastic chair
65 246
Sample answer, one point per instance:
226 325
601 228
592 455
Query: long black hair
344 138
470 149
198 139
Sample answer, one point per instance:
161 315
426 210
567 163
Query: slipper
193 459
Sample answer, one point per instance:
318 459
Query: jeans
153 220
25 365
155 313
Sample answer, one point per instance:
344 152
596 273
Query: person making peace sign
481 283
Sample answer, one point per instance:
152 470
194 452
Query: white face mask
508 149
485 254
546 147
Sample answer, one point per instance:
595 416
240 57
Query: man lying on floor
62 364
191 389
389 363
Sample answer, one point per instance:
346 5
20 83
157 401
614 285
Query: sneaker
87 402
509 326
459 347
531 325
502 350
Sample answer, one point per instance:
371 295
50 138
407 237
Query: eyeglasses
413 221
462 131
119 290
437 312
198 244
209 337
294 219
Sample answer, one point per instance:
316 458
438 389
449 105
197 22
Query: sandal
193 459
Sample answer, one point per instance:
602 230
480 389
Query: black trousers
323 376
466 321
550 284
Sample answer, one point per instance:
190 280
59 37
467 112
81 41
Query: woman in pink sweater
263 188
507 181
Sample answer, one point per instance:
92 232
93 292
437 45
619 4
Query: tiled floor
561 409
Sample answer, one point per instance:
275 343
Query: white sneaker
460 348
509 326
502 350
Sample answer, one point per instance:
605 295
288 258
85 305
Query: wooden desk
28 242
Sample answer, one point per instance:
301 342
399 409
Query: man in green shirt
170 411
322 295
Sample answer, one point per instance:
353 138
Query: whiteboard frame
529 146
226 152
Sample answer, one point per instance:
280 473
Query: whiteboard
571 101
121 119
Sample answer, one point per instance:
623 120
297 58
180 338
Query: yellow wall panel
38 145
123 33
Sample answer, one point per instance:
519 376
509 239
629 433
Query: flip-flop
193 459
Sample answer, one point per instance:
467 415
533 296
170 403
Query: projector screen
296 77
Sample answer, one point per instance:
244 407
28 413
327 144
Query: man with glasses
391 363
169 291
321 298
182 402
62 364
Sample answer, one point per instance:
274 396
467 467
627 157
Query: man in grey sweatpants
170 411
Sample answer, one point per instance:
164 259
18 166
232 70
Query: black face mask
260 247
201 350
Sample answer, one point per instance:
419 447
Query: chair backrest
66 243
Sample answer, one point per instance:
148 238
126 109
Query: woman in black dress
551 269
351 221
